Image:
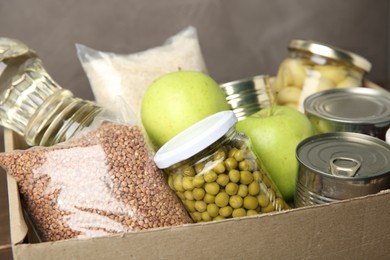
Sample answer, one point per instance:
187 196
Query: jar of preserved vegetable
213 171
32 104
312 67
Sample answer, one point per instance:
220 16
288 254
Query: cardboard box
352 229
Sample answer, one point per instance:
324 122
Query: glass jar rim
331 52
195 138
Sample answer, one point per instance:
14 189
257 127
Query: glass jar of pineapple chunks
215 174
312 67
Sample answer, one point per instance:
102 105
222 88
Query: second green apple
275 133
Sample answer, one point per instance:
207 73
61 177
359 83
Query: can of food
249 95
342 165
359 110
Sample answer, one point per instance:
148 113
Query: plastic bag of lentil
102 181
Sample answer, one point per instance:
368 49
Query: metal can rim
341 135
332 52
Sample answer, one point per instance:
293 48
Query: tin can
338 166
314 66
360 110
249 95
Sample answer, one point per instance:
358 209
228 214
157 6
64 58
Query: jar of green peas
215 174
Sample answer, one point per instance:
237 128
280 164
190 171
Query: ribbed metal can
248 96
339 166
359 110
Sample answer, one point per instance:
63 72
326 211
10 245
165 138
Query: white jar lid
194 139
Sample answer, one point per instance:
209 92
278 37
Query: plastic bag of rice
129 75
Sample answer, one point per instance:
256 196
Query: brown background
238 38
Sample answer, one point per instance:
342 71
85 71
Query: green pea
170 182
263 200
222 179
257 176
188 195
198 181
231 188
246 177
187 183
196 216
212 188
234 176
225 211
268 209
251 212
206 216
254 188
220 168
239 155
230 163
199 167
190 205
250 202
232 152
210 176
222 199
198 193
213 210
240 212
188 171
180 195
218 218
208 198
235 201
267 181
219 155
177 183
242 190
200 206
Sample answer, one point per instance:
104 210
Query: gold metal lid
330 52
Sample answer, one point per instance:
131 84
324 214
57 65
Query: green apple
177 100
275 133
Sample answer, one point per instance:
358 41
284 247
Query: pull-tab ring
344 166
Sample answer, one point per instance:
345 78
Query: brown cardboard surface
352 229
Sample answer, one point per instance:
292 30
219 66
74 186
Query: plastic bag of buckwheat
129 75
103 181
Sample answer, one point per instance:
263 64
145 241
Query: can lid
331 52
356 105
194 139
345 155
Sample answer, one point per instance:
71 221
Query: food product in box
314 66
128 75
214 172
101 183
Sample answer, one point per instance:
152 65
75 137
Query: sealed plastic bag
101 182
128 76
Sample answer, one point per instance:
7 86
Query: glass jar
312 67
32 104
215 174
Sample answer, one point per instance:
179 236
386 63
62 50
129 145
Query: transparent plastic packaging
312 67
218 177
32 104
128 75
102 181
